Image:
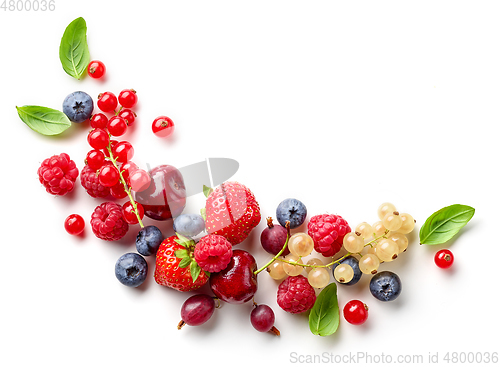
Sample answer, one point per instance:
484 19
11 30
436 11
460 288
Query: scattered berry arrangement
203 249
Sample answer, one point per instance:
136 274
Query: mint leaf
44 120
195 270
207 191
185 262
74 51
325 315
442 225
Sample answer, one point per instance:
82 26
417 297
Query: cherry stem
125 186
287 226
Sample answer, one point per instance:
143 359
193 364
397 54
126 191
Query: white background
343 105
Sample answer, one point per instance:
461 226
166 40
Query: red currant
117 126
99 120
355 312
118 191
98 139
74 224
444 259
107 102
95 159
128 115
127 98
96 69
108 176
112 145
123 151
163 126
129 213
139 180
127 169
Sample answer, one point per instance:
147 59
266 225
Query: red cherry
444 259
118 191
355 312
74 224
129 213
108 176
123 151
128 115
98 139
96 69
95 159
117 126
99 120
107 102
139 180
163 126
127 98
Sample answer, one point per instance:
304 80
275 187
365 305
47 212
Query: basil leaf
195 270
44 120
74 51
324 317
445 223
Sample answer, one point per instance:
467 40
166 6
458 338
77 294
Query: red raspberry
58 174
107 222
328 231
296 295
90 182
213 253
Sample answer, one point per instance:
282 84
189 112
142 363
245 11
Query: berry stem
287 226
125 186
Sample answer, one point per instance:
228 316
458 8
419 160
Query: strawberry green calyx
187 256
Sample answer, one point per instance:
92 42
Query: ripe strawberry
232 212
174 265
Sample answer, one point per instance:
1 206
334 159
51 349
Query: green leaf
195 270
185 262
203 213
44 120
181 254
445 223
184 241
74 51
324 316
207 273
207 191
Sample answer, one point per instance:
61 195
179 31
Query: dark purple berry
196 310
262 319
273 238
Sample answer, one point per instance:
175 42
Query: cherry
108 176
95 159
355 312
128 115
96 69
117 126
444 259
98 138
163 126
99 120
123 151
139 180
107 102
127 98
118 191
74 224
129 213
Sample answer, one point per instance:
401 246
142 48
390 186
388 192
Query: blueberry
351 260
148 240
131 269
189 225
78 106
291 210
385 286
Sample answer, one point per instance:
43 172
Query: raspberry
90 182
213 253
327 231
296 295
107 222
58 174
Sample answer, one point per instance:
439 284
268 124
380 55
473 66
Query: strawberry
231 211
175 266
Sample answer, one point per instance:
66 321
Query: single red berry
112 145
108 176
355 312
127 98
98 139
74 224
129 213
107 102
117 126
127 169
128 115
444 259
123 151
95 159
96 69
139 180
118 191
163 126
99 120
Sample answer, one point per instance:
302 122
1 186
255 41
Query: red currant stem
287 226
125 186
119 110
